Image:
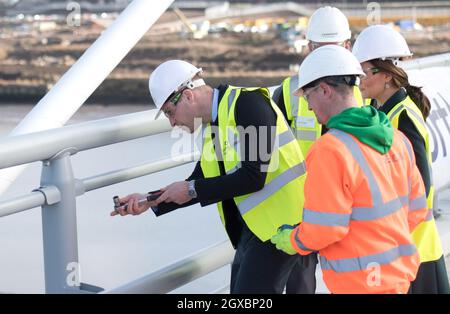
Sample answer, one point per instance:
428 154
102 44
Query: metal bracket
87 288
83 288
80 189
51 194
67 151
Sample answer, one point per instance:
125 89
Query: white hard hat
329 60
380 42
172 76
328 24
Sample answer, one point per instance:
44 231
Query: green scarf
368 125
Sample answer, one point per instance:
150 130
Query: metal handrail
182 272
441 60
37 198
21 203
51 145
26 148
123 175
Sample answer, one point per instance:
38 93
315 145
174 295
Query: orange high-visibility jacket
360 209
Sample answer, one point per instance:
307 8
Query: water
112 250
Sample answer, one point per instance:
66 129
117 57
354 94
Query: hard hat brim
158 113
298 92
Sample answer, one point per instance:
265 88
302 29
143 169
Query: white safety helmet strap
395 60
190 84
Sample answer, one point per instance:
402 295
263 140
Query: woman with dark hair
379 48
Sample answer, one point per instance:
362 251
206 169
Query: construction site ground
31 63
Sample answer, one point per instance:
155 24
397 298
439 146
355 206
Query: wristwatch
191 189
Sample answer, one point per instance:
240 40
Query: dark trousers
432 278
302 279
259 267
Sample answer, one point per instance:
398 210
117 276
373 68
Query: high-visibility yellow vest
281 199
304 123
425 236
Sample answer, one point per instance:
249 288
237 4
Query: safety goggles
307 92
372 70
174 99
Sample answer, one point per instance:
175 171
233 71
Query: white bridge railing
59 189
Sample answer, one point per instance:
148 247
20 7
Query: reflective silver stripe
379 208
411 111
411 156
269 189
325 219
382 210
417 116
293 85
429 215
408 147
234 169
404 200
306 135
300 243
430 169
396 111
428 159
361 263
233 139
418 203
410 151
231 98
285 138
355 150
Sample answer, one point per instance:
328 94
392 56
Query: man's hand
176 192
133 207
282 240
